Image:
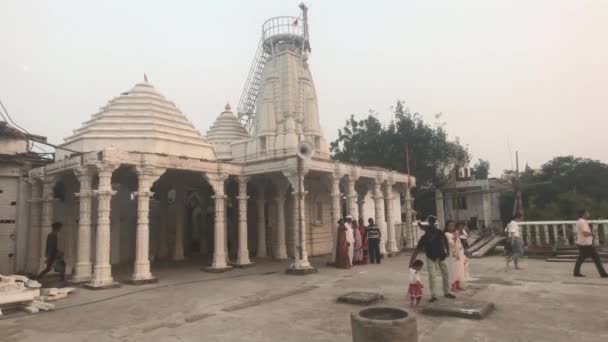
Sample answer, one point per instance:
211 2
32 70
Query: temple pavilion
137 182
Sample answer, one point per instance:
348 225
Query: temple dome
225 130
140 120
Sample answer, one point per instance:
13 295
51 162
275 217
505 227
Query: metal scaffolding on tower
293 30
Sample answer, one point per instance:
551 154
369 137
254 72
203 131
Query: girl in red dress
415 288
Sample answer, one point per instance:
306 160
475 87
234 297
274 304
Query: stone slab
301 271
463 308
217 270
152 280
251 264
360 298
113 285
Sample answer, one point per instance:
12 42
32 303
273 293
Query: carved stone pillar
301 263
83 269
379 211
102 270
146 176
408 218
353 208
243 253
390 220
261 202
33 259
163 250
180 213
335 212
47 216
281 247
219 246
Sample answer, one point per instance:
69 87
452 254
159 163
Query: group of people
446 257
356 244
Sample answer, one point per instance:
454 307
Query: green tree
561 187
481 169
432 155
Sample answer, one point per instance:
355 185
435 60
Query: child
415 288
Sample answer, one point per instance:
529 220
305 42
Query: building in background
16 160
473 201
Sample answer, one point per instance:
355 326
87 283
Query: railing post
596 235
546 232
528 235
555 235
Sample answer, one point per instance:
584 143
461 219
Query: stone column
261 222
486 199
163 250
102 270
361 204
47 217
33 260
146 176
379 213
440 211
180 203
335 212
390 220
408 218
83 268
219 246
301 263
353 208
281 248
243 253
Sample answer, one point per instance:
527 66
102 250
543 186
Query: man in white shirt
350 238
584 241
515 241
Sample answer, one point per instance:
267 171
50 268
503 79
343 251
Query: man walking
584 242
373 240
435 245
52 251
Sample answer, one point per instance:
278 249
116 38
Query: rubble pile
26 294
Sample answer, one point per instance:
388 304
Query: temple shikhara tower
138 183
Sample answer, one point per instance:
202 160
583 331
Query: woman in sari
456 258
342 247
364 246
358 251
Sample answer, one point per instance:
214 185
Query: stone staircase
570 254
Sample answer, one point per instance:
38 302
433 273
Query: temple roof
142 120
226 128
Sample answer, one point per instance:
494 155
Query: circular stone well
383 324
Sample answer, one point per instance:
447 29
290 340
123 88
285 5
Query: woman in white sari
456 258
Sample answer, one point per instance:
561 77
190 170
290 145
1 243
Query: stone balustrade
560 233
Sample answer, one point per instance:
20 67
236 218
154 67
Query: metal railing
279 26
560 233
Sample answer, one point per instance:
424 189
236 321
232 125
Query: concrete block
360 298
463 308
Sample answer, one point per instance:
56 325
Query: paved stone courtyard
541 303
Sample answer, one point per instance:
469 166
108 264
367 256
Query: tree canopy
432 155
562 187
481 169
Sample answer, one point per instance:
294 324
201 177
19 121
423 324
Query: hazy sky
532 72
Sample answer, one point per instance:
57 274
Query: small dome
226 129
